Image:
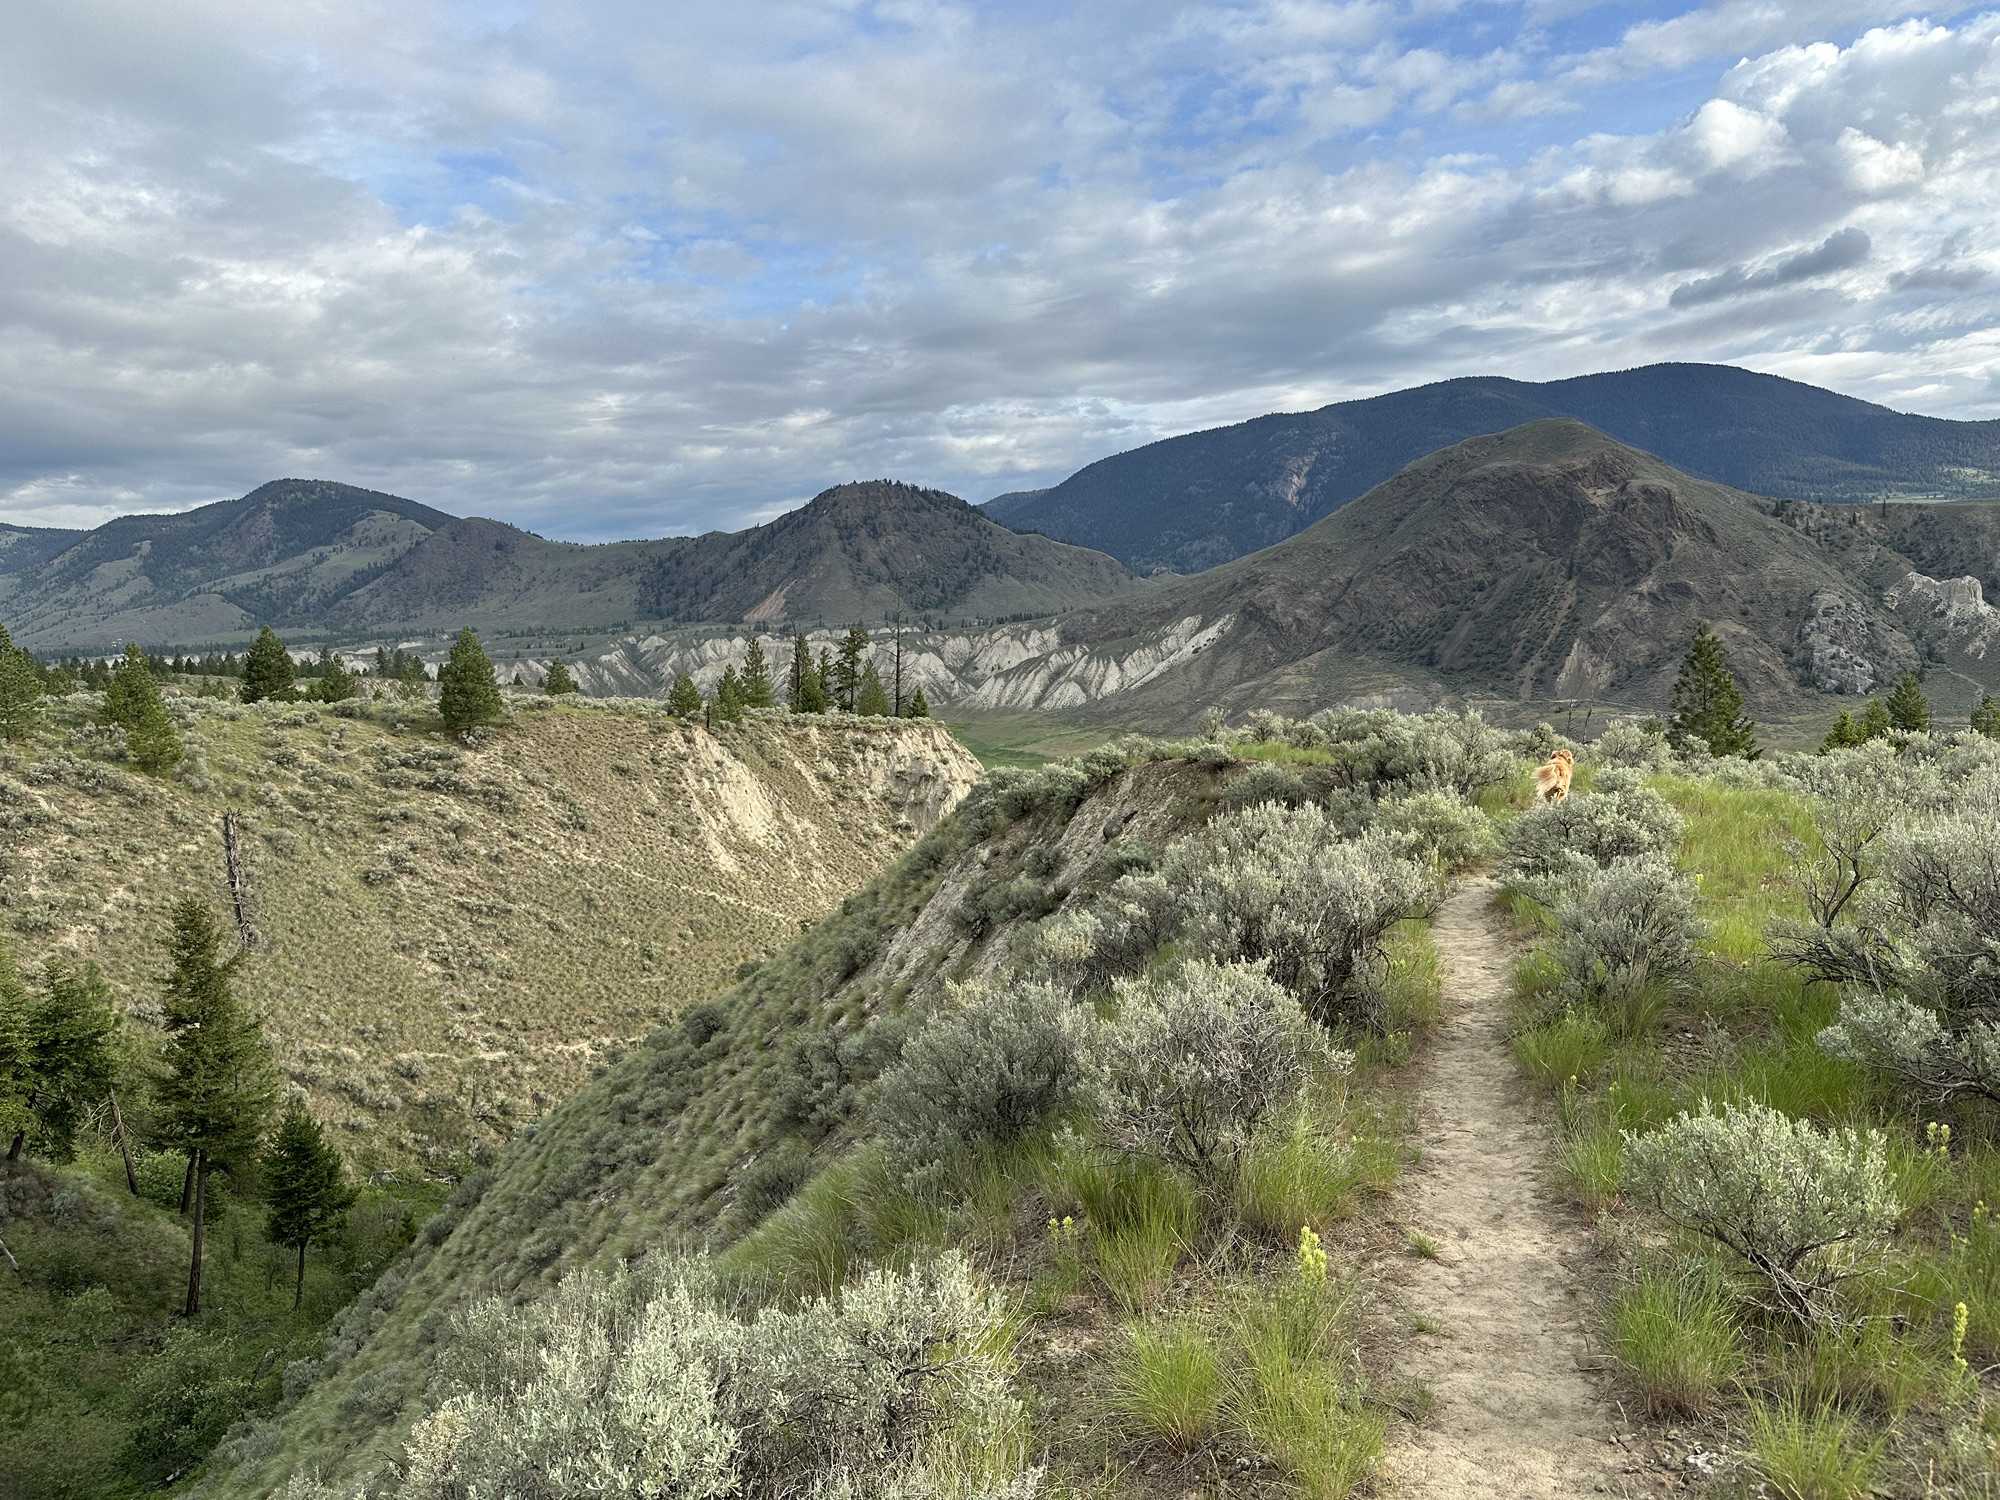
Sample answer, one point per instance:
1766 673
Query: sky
611 269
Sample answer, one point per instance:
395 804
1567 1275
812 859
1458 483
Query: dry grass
453 938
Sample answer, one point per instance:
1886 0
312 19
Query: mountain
323 559
863 551
1545 562
1196 501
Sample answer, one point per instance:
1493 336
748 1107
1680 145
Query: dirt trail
1516 1416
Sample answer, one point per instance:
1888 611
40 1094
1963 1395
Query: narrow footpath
1516 1414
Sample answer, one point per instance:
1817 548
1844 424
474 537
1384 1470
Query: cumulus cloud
608 271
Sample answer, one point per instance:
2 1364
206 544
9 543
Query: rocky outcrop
1837 642
1954 609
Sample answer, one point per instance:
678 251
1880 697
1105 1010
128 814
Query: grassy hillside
746 1127
450 938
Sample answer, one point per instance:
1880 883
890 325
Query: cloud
607 271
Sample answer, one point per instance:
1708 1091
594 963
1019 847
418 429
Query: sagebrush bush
1195 1062
1622 931
1549 839
1804 1207
1440 827
1632 745
1003 1059
1279 884
644 1384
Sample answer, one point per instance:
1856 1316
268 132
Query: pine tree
133 701
1986 718
20 690
307 1194
128 688
558 681
218 1089
685 700
1844 735
729 696
1874 720
267 670
17 1068
757 690
917 708
70 1056
800 674
844 686
828 698
1909 709
336 684
1707 704
468 694
872 699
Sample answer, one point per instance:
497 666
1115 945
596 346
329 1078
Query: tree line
65 1058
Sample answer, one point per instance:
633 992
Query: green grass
1297 1173
1810 1453
1574 1044
1168 1385
1676 1330
1593 1159
1297 1393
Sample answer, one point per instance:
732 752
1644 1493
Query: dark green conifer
133 701
685 700
1707 703
1986 718
1909 710
20 690
872 699
729 696
757 689
1875 720
71 1064
800 674
468 695
1844 735
917 708
844 682
267 670
336 684
218 1089
558 681
307 1195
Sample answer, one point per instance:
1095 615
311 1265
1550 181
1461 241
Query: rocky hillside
449 939
328 561
1196 501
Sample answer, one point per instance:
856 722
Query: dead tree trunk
239 887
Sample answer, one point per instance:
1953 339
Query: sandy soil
1516 1414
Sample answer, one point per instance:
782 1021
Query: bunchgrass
1573 1044
1675 1327
1296 1173
1593 1160
1297 1391
1810 1452
1168 1385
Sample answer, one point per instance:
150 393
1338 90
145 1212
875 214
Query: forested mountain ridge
325 559
1192 502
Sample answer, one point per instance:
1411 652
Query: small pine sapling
308 1194
267 670
1707 703
468 695
684 702
1909 710
558 681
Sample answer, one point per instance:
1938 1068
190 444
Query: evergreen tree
1844 735
1707 704
685 700
218 1089
468 693
17 1069
133 701
267 670
336 684
872 698
757 690
20 690
71 1063
1874 720
917 708
558 681
828 699
1909 709
844 685
307 1194
1986 718
800 674
729 696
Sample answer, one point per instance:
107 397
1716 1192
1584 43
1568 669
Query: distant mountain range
321 559
1194 502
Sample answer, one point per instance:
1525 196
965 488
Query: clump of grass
1297 1394
1675 1328
1572 1045
1810 1453
1424 1245
1168 1386
1593 1158
1413 988
1142 1217
1296 1174
1136 1261
1864 1364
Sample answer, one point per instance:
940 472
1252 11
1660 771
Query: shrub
1194 1063
642 1383
1002 1061
1385 752
1439 827
1600 827
1167 1386
1803 1206
1621 932
1277 884
1631 744
1675 1329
